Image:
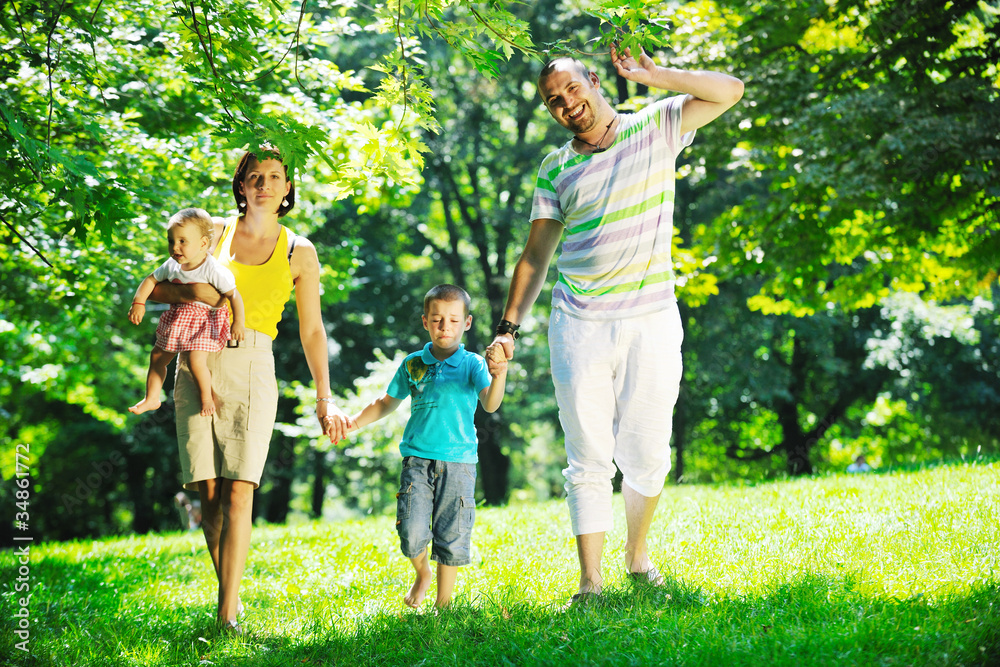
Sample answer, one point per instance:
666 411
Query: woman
223 455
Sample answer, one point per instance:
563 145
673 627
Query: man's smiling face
571 97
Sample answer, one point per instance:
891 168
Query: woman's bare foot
145 405
419 589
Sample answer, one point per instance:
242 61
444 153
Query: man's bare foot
643 571
145 405
419 589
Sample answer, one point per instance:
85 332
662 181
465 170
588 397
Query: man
615 332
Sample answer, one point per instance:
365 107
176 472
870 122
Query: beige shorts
233 442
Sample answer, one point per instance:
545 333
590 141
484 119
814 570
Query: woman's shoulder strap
292 238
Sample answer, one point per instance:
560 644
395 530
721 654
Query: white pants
616 385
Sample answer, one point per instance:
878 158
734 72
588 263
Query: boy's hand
496 360
136 312
237 332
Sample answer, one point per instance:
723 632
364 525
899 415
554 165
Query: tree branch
208 56
26 242
20 26
402 59
48 65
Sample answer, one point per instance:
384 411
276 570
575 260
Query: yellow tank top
266 287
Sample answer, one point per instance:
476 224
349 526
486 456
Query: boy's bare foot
419 589
145 405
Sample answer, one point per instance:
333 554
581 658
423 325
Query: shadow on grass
78 619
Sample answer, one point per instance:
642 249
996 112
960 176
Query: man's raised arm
710 94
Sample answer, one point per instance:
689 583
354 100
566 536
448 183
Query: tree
872 132
115 114
862 169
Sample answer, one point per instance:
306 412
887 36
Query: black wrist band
507 327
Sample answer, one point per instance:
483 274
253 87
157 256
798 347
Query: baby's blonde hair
196 216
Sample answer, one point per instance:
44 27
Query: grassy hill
900 568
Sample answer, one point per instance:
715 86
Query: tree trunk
797 450
318 484
679 436
494 465
281 469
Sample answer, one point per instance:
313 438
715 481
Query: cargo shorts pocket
403 504
467 516
262 397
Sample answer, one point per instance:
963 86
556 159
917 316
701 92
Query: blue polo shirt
444 396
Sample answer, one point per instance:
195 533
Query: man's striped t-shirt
617 208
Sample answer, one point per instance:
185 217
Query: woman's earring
243 204
284 202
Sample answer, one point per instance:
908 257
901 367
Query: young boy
436 497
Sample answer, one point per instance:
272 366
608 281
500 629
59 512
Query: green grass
887 569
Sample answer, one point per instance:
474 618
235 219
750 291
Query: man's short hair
447 292
552 63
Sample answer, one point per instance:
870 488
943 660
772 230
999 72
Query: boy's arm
377 409
492 396
238 330
142 293
496 363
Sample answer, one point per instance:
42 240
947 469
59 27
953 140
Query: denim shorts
436 501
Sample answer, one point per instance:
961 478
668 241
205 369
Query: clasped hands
496 359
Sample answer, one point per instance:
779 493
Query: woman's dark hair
241 173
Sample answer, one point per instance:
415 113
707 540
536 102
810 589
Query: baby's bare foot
145 405
207 408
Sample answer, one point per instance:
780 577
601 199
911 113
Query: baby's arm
496 362
377 409
138 309
238 330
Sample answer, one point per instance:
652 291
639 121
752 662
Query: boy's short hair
447 293
195 216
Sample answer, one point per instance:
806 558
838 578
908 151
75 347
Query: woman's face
265 184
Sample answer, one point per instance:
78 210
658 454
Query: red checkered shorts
189 326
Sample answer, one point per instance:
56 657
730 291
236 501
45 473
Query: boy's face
447 322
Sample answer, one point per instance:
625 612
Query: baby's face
186 244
